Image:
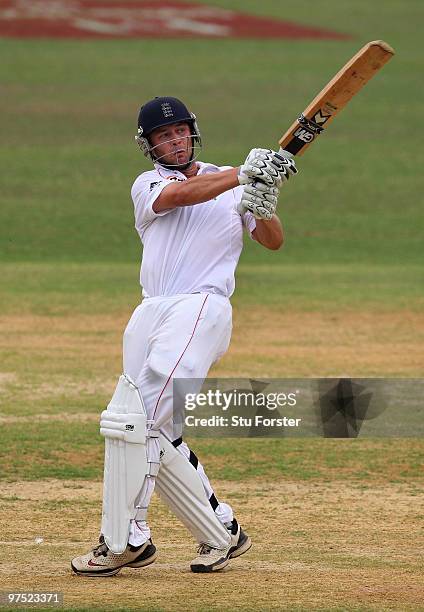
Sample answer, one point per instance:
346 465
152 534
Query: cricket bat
330 101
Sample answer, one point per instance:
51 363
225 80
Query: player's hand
260 199
267 166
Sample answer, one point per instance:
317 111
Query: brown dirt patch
316 546
266 342
348 343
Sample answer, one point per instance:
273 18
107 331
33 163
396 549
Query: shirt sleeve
249 222
144 193
248 219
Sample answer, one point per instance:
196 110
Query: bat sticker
319 118
304 135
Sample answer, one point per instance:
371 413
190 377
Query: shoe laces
100 549
204 549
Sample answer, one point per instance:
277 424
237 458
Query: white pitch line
68 543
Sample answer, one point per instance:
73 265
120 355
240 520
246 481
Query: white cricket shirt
188 248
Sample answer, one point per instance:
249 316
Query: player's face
172 144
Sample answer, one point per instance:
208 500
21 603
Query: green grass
68 450
352 218
55 289
69 110
46 450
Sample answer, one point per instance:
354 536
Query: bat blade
335 95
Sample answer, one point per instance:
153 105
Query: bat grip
285 153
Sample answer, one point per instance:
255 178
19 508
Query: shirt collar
204 168
168 172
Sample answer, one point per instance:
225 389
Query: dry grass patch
266 342
314 344
316 546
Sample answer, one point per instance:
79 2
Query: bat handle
285 153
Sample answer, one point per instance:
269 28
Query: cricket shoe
102 562
214 559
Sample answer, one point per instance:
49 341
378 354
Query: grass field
336 524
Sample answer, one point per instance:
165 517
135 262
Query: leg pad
181 488
123 425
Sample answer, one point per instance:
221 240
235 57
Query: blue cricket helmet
162 111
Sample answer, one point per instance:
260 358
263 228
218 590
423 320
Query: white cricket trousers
174 337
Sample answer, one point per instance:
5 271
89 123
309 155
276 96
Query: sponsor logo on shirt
168 178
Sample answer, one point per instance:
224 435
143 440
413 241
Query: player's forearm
196 190
269 233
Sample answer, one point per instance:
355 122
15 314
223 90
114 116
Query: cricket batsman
190 217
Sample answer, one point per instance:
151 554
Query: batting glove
261 200
267 166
